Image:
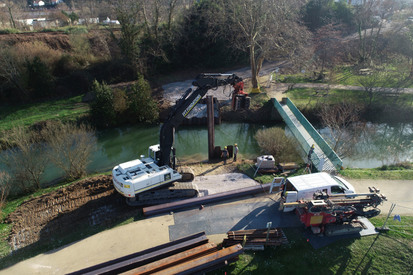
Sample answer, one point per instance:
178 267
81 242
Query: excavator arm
203 83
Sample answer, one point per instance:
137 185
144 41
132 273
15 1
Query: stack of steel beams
254 237
189 255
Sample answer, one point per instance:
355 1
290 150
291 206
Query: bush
26 160
102 109
273 141
39 78
143 107
70 147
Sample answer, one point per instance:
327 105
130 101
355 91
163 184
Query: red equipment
337 209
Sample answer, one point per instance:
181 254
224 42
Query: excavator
137 179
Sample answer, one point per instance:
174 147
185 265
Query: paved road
399 192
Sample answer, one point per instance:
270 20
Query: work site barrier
327 152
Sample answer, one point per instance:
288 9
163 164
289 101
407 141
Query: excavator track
177 191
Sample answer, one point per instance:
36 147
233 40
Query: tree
344 126
101 108
370 18
143 107
327 44
70 147
145 27
266 29
11 71
377 81
402 44
25 159
39 78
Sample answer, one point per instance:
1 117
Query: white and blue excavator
138 180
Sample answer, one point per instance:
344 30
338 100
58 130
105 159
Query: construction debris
256 237
189 255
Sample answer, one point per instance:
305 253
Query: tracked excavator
140 180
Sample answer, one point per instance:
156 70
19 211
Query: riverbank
90 206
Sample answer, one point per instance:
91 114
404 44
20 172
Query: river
382 144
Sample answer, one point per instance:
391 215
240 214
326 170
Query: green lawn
29 114
387 253
309 97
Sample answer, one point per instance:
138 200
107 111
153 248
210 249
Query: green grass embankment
29 114
378 173
387 253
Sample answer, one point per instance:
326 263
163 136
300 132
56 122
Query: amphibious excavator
137 179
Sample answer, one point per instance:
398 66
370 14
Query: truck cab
303 187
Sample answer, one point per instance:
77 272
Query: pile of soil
87 203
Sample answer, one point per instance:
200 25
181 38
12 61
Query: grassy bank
29 114
309 97
387 253
402 171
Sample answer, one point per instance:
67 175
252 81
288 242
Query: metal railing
327 152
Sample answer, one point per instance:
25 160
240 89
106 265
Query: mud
88 203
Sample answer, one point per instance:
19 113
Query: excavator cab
154 152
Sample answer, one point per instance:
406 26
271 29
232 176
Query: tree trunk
254 73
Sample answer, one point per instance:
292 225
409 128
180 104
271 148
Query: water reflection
380 144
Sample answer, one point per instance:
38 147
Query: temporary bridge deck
323 158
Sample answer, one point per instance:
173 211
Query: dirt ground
88 203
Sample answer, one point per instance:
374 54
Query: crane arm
203 82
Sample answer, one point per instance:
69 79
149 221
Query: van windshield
341 183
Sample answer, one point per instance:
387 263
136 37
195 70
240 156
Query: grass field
387 253
309 97
29 114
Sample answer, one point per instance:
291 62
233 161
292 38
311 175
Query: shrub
143 107
273 141
28 50
120 102
26 160
70 147
39 78
102 109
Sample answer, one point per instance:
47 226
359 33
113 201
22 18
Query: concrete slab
102 247
236 215
208 185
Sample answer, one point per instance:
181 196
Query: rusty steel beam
206 262
173 260
167 207
144 257
211 127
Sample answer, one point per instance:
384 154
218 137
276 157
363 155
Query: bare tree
328 47
370 19
70 147
342 122
11 71
26 159
145 25
266 29
377 81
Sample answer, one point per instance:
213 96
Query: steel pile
189 255
179 205
256 237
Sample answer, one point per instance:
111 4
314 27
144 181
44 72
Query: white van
303 187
